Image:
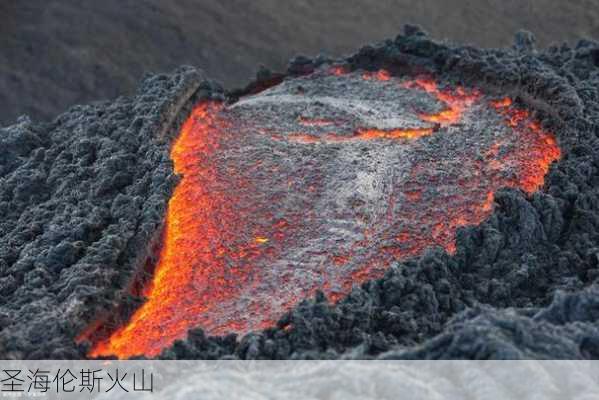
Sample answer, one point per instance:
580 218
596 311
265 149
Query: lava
381 75
457 101
363 134
542 151
201 237
259 222
338 70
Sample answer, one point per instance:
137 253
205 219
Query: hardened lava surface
321 183
89 224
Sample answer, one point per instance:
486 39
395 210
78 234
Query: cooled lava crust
415 200
322 182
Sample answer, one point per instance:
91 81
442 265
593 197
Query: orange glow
381 75
502 103
201 236
361 135
368 134
337 70
488 204
457 101
414 195
217 234
543 150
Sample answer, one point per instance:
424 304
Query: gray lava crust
83 199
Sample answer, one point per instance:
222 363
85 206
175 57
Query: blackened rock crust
522 285
82 201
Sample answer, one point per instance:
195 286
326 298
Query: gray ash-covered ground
83 201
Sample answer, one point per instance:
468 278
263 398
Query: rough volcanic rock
505 270
82 202
565 329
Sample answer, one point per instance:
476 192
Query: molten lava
260 221
457 102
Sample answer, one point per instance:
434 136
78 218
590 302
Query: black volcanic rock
494 298
82 202
566 329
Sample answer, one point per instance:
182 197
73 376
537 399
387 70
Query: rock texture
82 201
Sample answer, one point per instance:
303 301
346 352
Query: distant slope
56 53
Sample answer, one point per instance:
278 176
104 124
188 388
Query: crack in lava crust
319 183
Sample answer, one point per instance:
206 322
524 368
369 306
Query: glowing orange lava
381 75
220 228
201 237
363 134
337 70
543 148
457 101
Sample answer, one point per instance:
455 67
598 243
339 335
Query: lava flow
287 192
